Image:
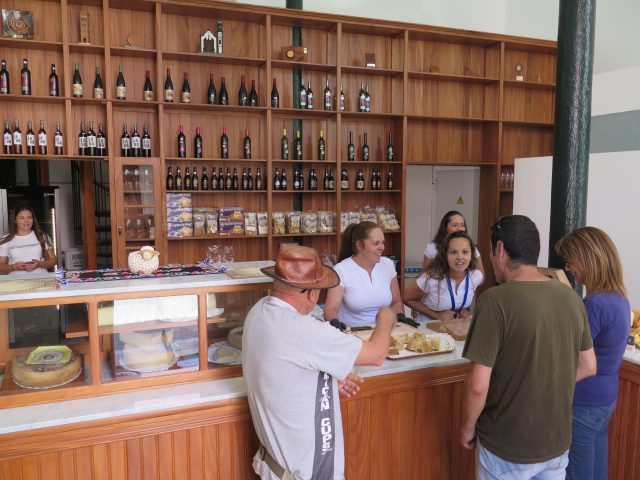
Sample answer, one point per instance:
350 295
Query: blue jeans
492 467
589 443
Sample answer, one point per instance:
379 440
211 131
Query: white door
456 188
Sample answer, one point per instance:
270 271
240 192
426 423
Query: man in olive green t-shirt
529 342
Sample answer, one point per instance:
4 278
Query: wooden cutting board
456 328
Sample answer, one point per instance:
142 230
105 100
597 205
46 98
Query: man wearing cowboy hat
294 366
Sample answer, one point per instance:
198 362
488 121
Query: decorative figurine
143 262
208 42
84 27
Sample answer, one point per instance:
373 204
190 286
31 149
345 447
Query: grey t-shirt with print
291 364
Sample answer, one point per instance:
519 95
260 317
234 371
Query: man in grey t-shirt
294 366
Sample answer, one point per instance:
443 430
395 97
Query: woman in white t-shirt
367 279
452 221
445 291
26 249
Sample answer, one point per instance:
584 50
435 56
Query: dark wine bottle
322 149
360 180
182 143
250 182
136 143
224 144
82 141
185 94
204 183
168 87
195 182
332 180
367 99
125 142
224 96
7 139
186 182
302 95
243 98
101 141
212 97
228 181
92 140
30 139
276 180
351 149
325 181
275 96
42 139
235 181
258 179
244 182
341 99
297 147
76 86
309 97
98 86
220 179
54 85
326 96
344 180
362 99
296 179
390 179
247 145
121 88
169 180
178 180
5 84
253 95
25 78
147 94
58 140
390 151
365 149
284 145
313 181
146 141
197 144
283 180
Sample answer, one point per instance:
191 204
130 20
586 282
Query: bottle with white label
58 140
31 139
92 140
42 139
7 138
17 138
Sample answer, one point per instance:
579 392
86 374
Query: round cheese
45 375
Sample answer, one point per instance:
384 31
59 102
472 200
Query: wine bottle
58 140
195 183
309 97
25 78
31 139
168 87
7 139
275 96
390 152
185 94
379 178
247 145
146 141
360 180
325 182
341 101
313 180
249 180
101 142
296 179
228 181
212 97
92 140
54 85
284 145
302 95
82 141
297 147
276 180
98 86
170 181
121 88
224 144
182 143
244 182
125 142
136 179
258 179
186 182
219 36
365 149
326 96
220 180
178 180
197 144
76 86
390 179
235 181
5 84
136 144
344 180
204 183
42 139
351 149
322 150
243 99
362 99
332 180
224 96
253 95
367 99
283 180
147 94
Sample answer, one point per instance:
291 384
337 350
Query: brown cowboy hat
300 267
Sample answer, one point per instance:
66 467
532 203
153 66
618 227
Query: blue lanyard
466 292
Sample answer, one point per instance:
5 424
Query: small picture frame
519 72
17 24
370 60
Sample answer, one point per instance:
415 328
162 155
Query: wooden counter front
403 425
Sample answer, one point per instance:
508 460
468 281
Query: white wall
616 91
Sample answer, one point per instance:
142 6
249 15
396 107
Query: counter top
143 284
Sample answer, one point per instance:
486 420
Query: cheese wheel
45 376
157 357
146 339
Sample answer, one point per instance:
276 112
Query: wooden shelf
301 112
371 115
223 59
216 160
371 191
437 118
31 98
88 101
79 329
443 77
317 67
371 162
203 107
289 235
86 48
371 71
535 85
315 192
220 192
462 164
133 52
140 205
24 44
291 162
217 237
134 104
14 156
528 123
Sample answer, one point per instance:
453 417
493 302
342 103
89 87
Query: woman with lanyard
445 291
